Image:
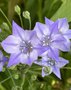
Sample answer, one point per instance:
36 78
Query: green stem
5 80
21 88
40 10
5 17
66 68
21 21
12 78
30 23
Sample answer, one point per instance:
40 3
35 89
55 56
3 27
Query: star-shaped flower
50 38
22 45
63 29
50 65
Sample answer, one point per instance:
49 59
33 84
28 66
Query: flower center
26 47
46 40
51 62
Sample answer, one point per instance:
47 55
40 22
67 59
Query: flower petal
53 53
63 46
17 30
14 59
48 22
54 28
10 44
28 35
63 25
29 58
68 34
62 62
41 29
56 71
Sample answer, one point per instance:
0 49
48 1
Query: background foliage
52 9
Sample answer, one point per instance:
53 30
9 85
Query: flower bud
26 14
17 10
5 26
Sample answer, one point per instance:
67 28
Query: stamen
51 62
26 47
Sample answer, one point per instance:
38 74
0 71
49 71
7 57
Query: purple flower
63 29
22 45
50 38
50 65
3 60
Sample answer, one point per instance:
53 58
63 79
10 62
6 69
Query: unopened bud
26 14
5 26
17 10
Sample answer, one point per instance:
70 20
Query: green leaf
51 7
63 11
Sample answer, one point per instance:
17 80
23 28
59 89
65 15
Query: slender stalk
30 23
5 17
5 80
66 68
12 79
21 21
21 88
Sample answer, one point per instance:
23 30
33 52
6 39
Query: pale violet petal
41 29
56 71
61 62
17 30
63 25
68 34
48 22
14 59
10 44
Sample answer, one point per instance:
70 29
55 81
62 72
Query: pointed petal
24 58
48 22
41 29
54 28
61 43
28 35
14 59
34 55
29 58
63 25
10 44
56 71
62 62
38 31
58 38
68 34
17 30
53 53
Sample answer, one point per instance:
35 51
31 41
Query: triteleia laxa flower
63 29
50 65
49 37
3 60
21 45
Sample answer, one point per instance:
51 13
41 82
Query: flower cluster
45 40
